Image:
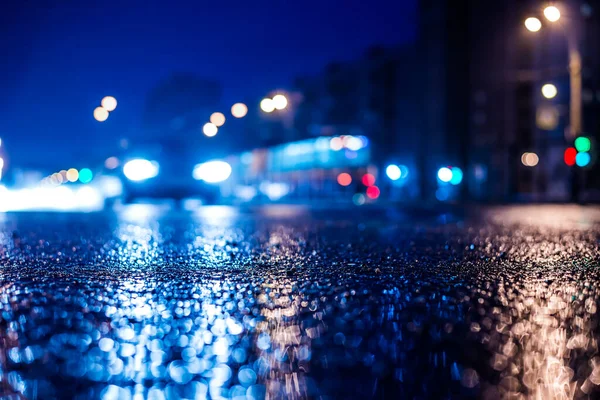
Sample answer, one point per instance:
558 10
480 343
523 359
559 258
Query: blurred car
170 169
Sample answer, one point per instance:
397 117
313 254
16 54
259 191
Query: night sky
60 60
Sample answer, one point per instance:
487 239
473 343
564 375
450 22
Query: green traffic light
583 144
85 175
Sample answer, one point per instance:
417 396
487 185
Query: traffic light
579 155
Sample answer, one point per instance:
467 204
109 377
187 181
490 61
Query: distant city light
344 179
280 102
72 175
336 144
533 24
217 119
552 13
582 159
444 174
373 192
359 199
549 91
267 105
393 172
111 162
457 176
109 103
583 144
85 175
529 159
140 169
210 129
100 114
212 171
368 179
569 156
239 110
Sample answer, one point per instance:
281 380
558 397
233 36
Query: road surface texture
282 302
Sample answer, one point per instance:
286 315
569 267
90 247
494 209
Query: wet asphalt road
151 303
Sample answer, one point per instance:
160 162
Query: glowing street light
533 24
100 114
280 101
239 110
217 119
552 13
549 91
210 129
109 103
267 105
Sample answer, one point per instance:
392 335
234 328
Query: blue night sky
60 59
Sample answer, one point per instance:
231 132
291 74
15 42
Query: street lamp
280 101
209 129
239 110
267 105
100 114
109 103
549 91
552 14
217 119
533 24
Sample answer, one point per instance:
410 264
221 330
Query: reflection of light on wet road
156 303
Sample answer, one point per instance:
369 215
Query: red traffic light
570 155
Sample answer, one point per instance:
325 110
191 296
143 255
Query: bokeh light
353 143
549 91
217 118
373 192
336 144
58 177
344 179
140 169
209 129
239 110
552 13
569 156
530 159
109 103
582 159
100 114
444 174
393 172
72 175
280 102
267 105
212 171
457 176
368 179
111 162
533 24
85 175
583 144
359 199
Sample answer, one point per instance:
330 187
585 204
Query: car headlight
140 169
212 171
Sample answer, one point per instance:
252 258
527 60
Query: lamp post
553 15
